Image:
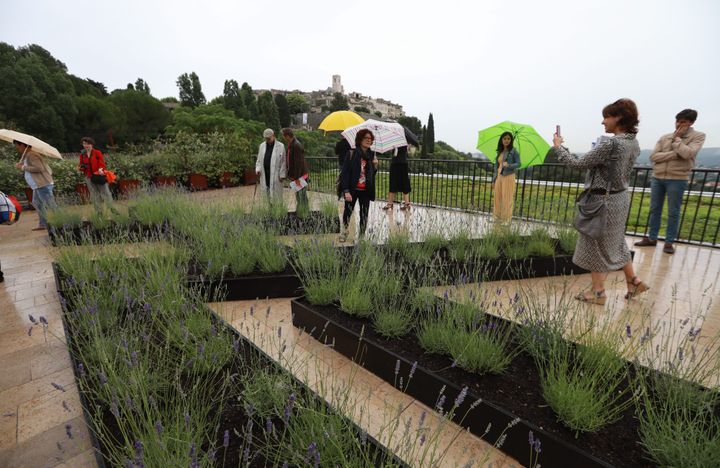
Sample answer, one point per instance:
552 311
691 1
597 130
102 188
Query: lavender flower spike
68 430
226 438
43 320
461 397
628 331
536 446
58 386
32 319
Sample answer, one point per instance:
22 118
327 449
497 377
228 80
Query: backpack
10 209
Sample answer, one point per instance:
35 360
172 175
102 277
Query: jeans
364 198
301 199
674 189
100 194
44 200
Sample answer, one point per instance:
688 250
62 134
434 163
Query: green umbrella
527 142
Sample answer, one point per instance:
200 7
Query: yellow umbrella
38 146
340 120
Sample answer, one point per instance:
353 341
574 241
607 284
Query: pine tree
423 149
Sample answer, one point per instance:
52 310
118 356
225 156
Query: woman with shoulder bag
92 165
609 166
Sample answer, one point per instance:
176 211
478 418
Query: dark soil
518 390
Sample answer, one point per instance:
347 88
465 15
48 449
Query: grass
546 203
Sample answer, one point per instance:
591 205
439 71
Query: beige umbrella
38 146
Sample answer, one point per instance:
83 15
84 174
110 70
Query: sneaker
668 248
646 242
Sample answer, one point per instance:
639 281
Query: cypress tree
431 134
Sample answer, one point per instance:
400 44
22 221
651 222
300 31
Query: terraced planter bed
247 287
491 399
314 223
235 430
114 232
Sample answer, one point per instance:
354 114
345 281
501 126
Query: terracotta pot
226 179
161 181
82 192
198 181
126 186
28 195
250 177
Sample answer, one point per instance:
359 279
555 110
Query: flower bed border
426 387
246 346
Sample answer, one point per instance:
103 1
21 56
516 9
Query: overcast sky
471 63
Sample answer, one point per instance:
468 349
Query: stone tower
336 85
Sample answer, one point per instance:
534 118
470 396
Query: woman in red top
92 164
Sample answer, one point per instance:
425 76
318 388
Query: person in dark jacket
296 167
357 182
399 179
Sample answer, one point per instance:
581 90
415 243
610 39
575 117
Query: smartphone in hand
557 130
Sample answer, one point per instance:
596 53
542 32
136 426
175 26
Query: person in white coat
271 166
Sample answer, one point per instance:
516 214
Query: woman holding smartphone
609 165
506 163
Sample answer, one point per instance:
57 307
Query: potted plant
162 168
197 168
128 171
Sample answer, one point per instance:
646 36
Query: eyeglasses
367 138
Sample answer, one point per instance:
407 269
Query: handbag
98 179
591 212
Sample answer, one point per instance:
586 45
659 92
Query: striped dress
610 252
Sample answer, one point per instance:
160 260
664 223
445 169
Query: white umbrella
38 146
388 135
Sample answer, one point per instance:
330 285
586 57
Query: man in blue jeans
673 160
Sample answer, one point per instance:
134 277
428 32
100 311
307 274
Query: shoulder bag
591 213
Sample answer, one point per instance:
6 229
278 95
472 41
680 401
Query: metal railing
544 193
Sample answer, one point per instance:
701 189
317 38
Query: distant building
321 100
336 85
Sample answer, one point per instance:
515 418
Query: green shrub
541 248
479 352
392 323
567 238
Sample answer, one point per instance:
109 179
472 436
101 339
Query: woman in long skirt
507 162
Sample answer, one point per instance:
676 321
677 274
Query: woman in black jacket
358 180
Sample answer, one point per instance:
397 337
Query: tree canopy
191 94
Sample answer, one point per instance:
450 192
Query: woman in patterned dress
609 166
